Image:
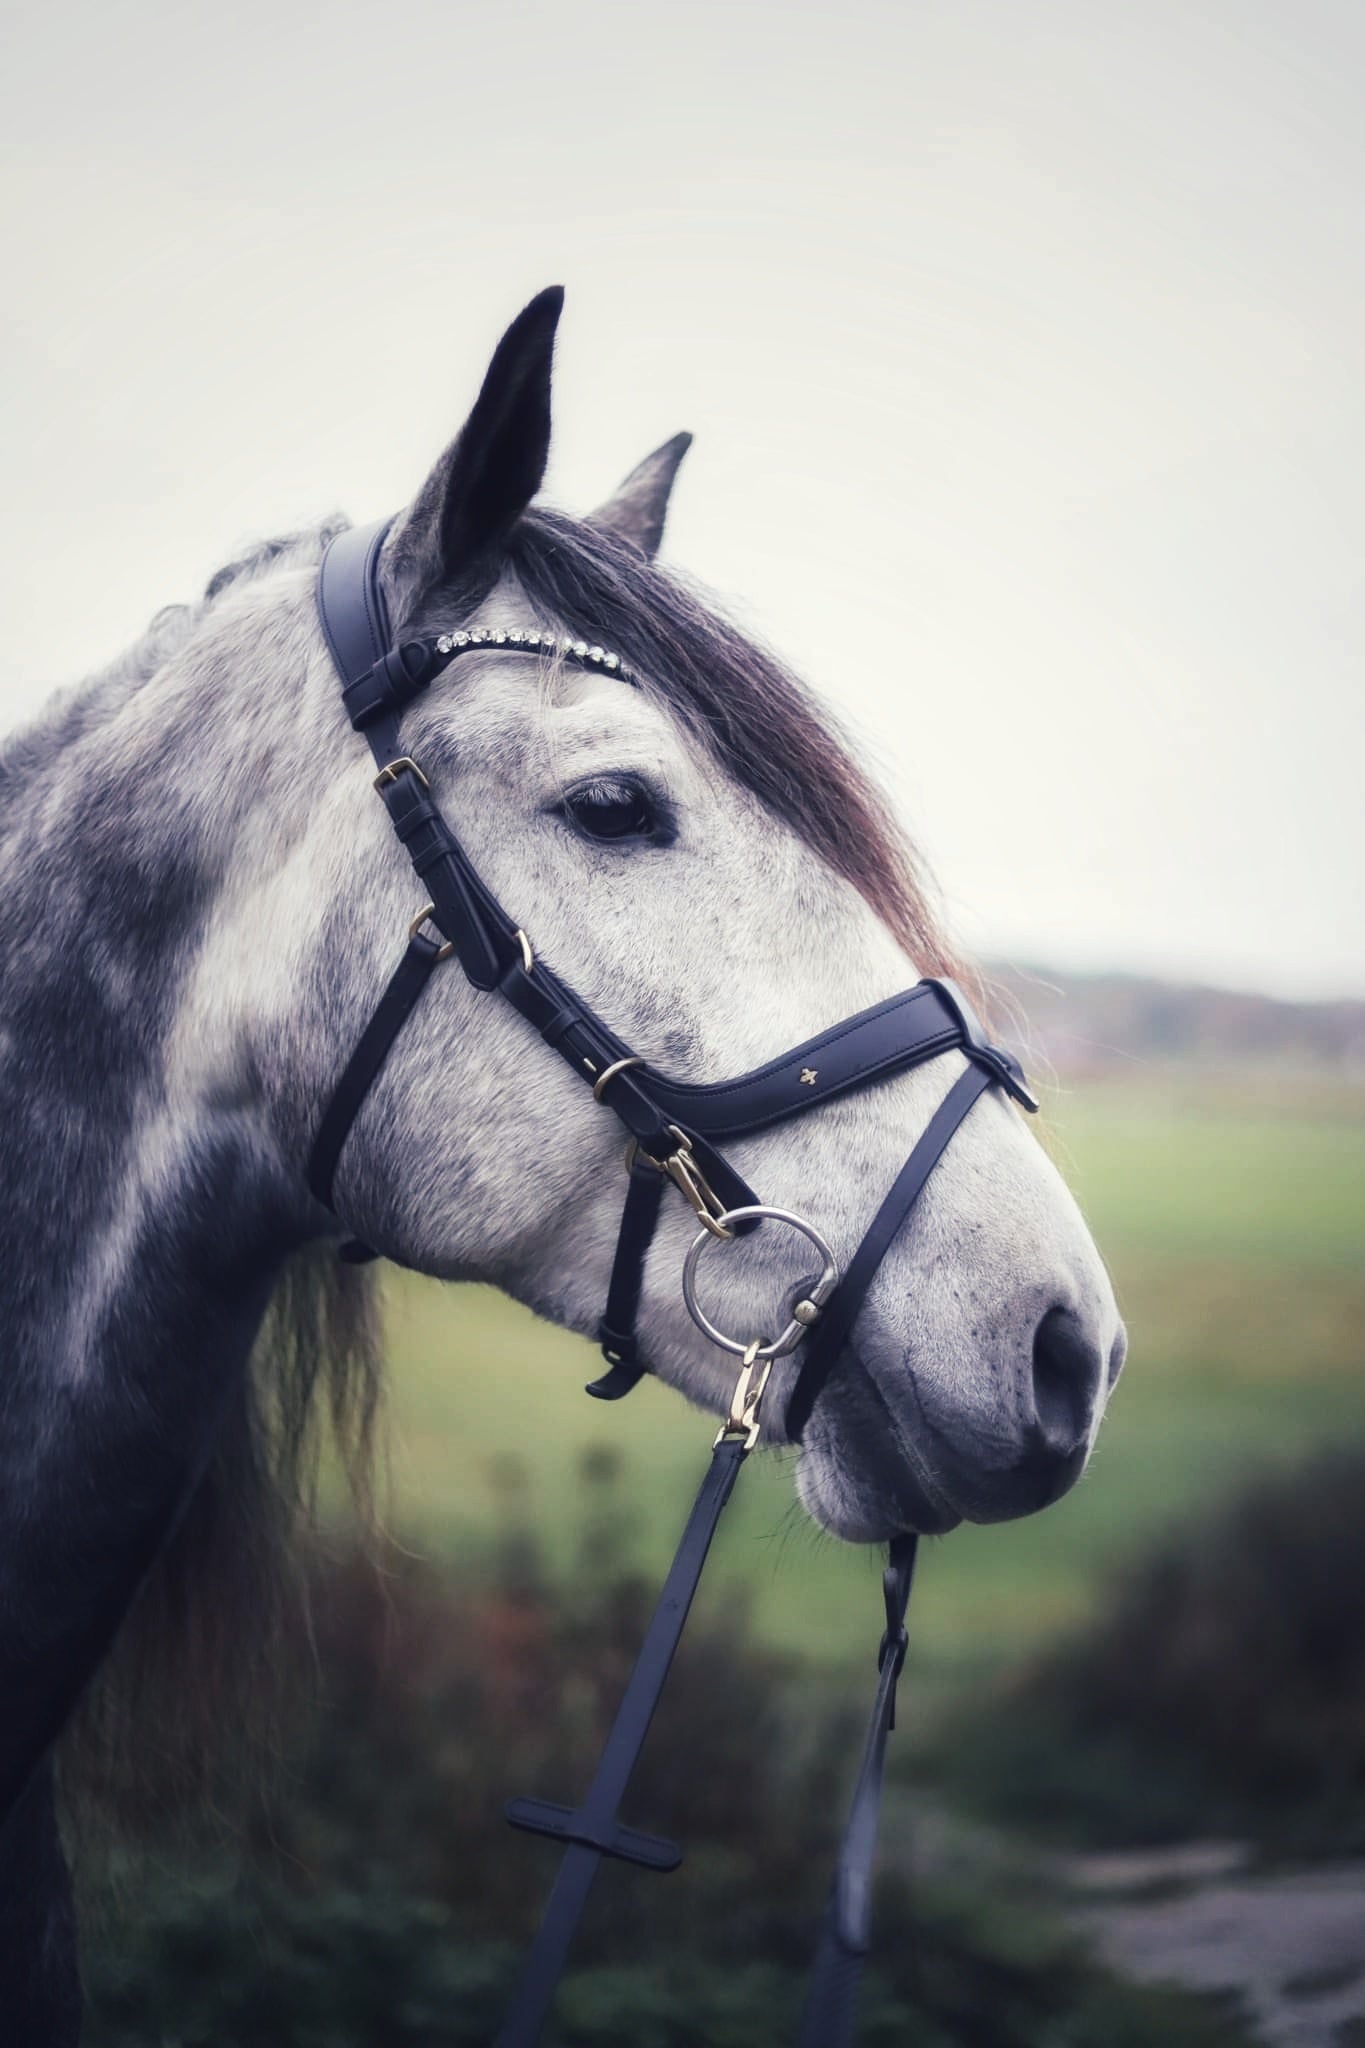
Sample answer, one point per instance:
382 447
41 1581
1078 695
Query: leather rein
674 1127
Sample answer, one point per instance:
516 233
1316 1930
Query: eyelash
626 811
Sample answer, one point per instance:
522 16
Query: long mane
186 1710
200 1653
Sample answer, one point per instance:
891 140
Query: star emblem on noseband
808 1076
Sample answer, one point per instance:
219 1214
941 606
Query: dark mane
766 728
185 1711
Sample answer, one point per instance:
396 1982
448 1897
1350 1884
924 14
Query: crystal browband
580 651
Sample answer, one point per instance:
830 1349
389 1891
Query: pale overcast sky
1022 343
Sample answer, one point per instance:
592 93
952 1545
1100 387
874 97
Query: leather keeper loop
409 810
554 1027
618 1347
427 859
396 678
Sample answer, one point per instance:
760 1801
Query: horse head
685 839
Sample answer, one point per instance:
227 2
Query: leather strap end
620 1378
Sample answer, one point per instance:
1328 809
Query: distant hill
1104 1023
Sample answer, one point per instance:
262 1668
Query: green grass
1234 1229
1183 1170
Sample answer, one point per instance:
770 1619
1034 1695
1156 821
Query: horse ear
639 507
496 464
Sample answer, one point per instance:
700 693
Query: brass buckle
393 769
682 1169
742 1421
429 910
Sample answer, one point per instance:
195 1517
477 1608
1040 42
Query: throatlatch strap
395 1006
831 2003
593 1829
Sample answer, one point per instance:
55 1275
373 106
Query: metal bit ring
812 1301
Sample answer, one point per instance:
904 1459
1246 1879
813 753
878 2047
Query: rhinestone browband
537 643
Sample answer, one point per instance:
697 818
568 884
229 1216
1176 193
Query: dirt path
1292 1944
1289 1945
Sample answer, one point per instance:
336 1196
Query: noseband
674 1128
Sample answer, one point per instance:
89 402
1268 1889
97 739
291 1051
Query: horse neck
147 1208
124 817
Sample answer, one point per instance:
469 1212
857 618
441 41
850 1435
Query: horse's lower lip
927 1509
924 1516
1034 1482
934 1513
894 1474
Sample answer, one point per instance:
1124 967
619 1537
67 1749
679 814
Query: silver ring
813 1300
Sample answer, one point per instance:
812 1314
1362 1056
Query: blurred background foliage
1175 1651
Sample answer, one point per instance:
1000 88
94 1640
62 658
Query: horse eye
612 808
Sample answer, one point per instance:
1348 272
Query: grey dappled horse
200 901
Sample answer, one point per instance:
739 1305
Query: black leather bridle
675 1126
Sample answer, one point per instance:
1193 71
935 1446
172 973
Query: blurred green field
1234 1223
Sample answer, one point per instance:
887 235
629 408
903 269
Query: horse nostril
1067 1368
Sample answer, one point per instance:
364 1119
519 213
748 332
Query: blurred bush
375 1898
1224 1691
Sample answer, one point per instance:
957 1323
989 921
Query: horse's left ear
492 470
639 508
